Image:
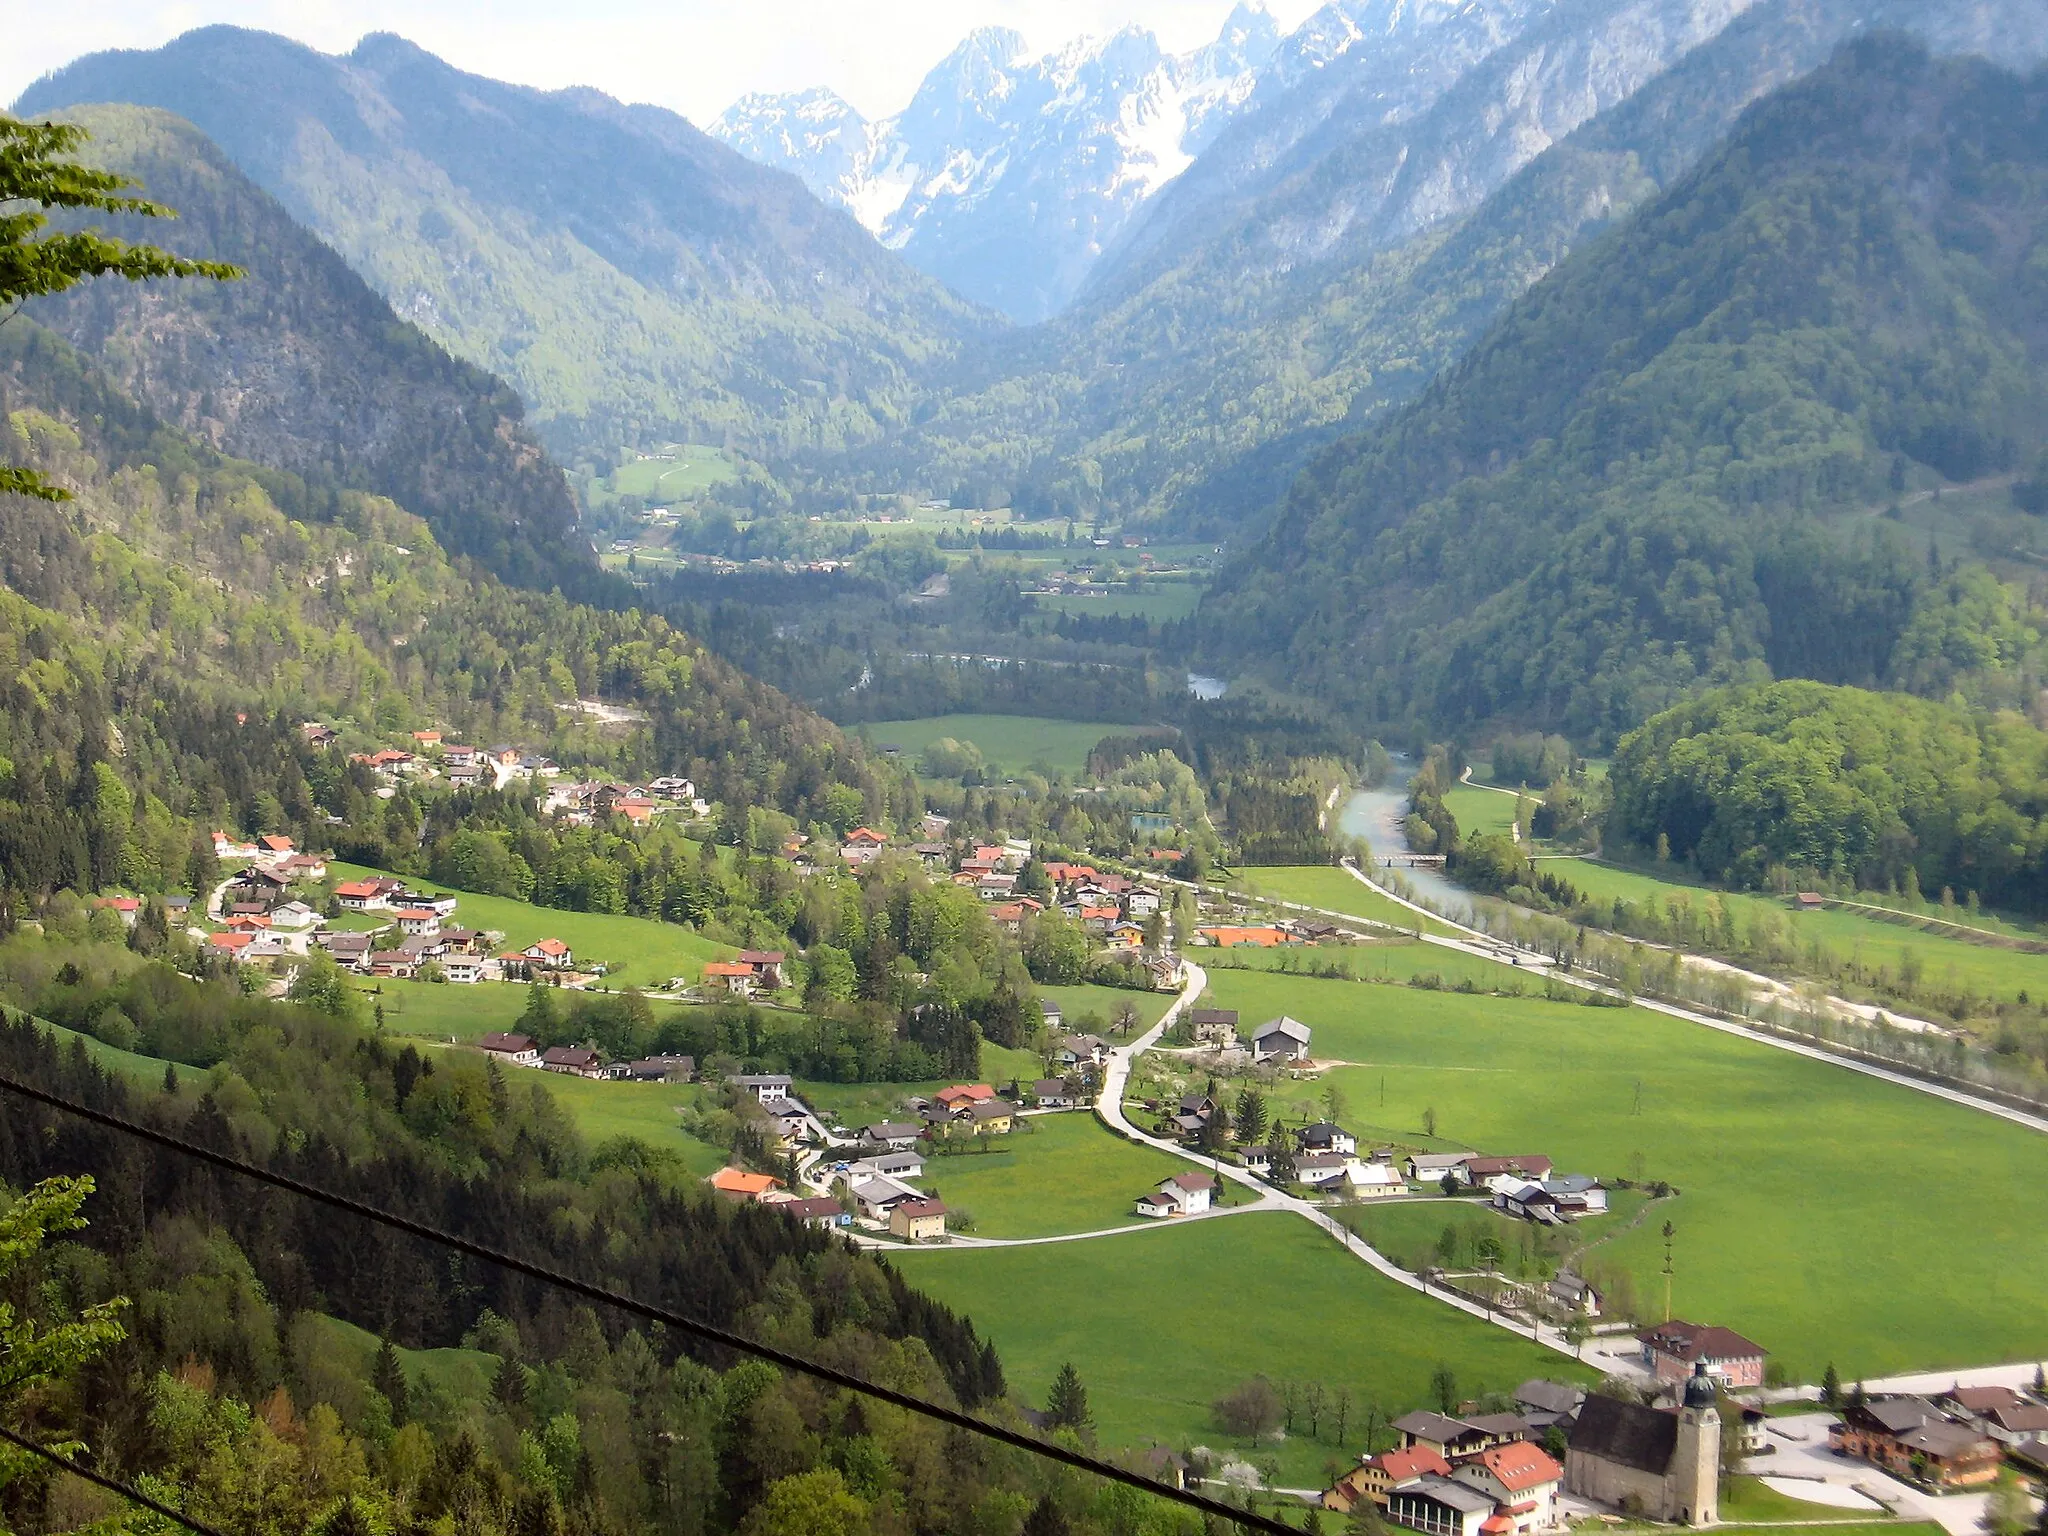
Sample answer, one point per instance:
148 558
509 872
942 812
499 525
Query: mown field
1947 964
640 951
1333 890
1480 810
1076 1003
858 1104
1055 1173
1162 1323
1788 1227
1398 960
695 468
1013 742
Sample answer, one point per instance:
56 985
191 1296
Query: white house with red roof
552 953
1523 1480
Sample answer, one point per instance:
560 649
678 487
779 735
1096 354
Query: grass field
1334 890
461 1374
439 1012
1010 741
647 1111
144 1071
1786 1227
857 1104
695 468
1160 1324
1945 963
1397 960
1745 1500
640 951
1480 810
1056 1173
1105 1002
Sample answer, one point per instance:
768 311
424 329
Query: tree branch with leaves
37 174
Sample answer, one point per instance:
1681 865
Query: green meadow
1480 810
1333 890
1013 742
1792 1222
693 468
1949 964
1105 1002
1162 1323
1055 1173
639 951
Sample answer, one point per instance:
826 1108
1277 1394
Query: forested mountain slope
1200 380
300 366
632 278
165 632
1621 492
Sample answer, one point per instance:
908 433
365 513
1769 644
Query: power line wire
705 1331
127 1491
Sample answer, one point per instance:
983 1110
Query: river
1377 814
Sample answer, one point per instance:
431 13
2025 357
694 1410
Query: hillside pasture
1012 742
1331 889
1782 1231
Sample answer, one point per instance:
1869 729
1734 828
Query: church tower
1694 1479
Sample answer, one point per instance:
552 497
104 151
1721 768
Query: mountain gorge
632 278
1668 463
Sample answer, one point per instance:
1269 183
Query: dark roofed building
1658 1462
1627 1433
1672 1350
1910 1438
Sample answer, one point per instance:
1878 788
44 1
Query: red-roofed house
766 964
273 842
1371 1478
918 1221
367 895
422 920
963 1095
731 975
128 906
1522 1479
232 944
738 1184
552 953
519 1050
868 836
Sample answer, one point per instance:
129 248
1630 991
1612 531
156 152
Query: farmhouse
876 1197
918 1221
1325 1137
739 1184
577 1060
662 1069
516 1050
1054 1093
1436 1432
1281 1039
962 1095
1433 1167
766 964
1912 1439
1998 1412
1525 1168
1049 1011
552 953
1674 1351
419 920
367 895
817 1211
1664 1463
1183 1194
896 1135
465 970
767 1088
730 976
991 1117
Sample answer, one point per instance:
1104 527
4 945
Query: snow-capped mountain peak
1009 172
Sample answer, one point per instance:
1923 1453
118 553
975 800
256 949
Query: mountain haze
632 278
1638 481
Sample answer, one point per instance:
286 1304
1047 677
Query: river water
1377 814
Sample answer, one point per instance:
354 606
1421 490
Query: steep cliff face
1009 173
630 276
300 366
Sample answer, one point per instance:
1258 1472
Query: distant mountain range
1011 175
634 279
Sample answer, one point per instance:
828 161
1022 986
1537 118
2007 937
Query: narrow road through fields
1490 948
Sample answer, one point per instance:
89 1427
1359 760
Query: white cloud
695 56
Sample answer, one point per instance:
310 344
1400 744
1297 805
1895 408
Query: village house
1057 1093
127 908
1373 1181
739 1184
367 895
1658 1462
1240 937
1998 1412
1281 1039
1544 1403
1213 1026
896 1135
1432 1167
1126 935
729 976
662 1069
1522 1479
989 1117
514 1050
766 965
1454 1439
1142 901
1671 1351
1323 1136
918 1221
576 1060
464 970
231 945
1522 1169
301 866
1912 1439
1049 1013
817 1211
1374 1477
273 845
1181 1194
317 735
766 1087
961 1095
1571 1293
552 953
418 920
351 951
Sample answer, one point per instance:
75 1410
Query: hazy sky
692 55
